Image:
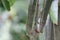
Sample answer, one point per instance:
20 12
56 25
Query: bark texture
31 12
49 33
44 14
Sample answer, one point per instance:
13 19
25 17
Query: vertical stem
49 33
31 12
36 31
45 13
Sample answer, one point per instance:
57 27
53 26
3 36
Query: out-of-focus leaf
22 16
54 12
12 13
18 32
20 8
20 5
1 5
6 4
11 2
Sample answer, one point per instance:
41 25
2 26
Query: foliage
11 2
54 12
18 32
20 8
6 4
1 5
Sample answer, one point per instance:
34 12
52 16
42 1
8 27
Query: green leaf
54 12
11 2
6 4
1 5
